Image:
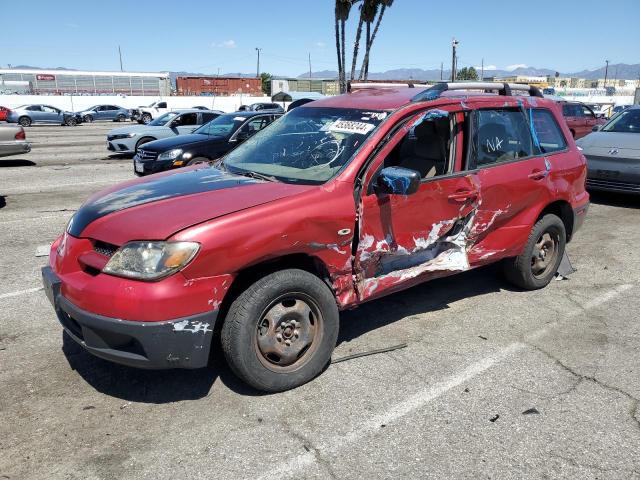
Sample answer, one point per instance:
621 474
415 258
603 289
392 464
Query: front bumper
179 343
579 214
122 145
147 167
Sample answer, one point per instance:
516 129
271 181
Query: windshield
160 121
626 121
222 126
307 145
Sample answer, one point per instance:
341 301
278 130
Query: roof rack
363 85
505 89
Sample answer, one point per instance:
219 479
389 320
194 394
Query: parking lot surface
493 383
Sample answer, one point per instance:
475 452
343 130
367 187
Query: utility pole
482 70
441 70
606 73
309 65
454 60
258 68
120 55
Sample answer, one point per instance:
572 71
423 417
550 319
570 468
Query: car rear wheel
146 118
197 161
24 121
87 119
538 263
280 332
142 141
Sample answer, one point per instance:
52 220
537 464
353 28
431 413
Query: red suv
580 118
338 202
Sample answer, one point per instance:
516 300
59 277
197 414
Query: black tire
307 317
532 269
87 119
146 118
142 141
71 122
197 160
24 121
121 118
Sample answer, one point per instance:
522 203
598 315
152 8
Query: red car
4 111
339 202
580 118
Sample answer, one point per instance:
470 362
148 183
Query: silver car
13 140
105 112
128 139
613 153
26 115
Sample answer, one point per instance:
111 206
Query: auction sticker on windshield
346 126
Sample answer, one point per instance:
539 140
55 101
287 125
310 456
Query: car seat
426 150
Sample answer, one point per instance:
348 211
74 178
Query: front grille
147 155
104 248
598 183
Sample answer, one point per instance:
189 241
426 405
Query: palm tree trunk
338 51
342 53
356 47
365 62
366 52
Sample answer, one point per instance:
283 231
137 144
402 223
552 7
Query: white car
153 111
128 139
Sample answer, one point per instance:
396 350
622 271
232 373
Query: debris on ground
565 268
371 352
43 250
531 411
494 418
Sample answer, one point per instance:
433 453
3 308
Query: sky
207 35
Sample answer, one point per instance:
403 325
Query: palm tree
343 8
365 13
371 36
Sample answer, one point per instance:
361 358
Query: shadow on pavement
17 163
150 386
615 199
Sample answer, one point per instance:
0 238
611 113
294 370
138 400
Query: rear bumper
14 148
179 343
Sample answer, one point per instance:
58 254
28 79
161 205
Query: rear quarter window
547 131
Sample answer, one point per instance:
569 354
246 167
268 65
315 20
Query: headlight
150 260
171 154
131 135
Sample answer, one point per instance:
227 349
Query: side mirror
596 128
397 181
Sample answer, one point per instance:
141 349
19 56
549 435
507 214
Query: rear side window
207 117
547 134
500 135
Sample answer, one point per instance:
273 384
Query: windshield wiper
259 176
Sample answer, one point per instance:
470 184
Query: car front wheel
25 121
538 263
280 332
146 118
87 119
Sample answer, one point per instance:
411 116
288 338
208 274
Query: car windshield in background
222 126
307 145
627 121
160 121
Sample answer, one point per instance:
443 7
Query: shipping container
223 86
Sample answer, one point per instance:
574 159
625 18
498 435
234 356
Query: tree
469 73
266 83
342 10
381 6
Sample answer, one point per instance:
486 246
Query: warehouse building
75 82
325 86
222 86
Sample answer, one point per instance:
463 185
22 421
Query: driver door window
255 125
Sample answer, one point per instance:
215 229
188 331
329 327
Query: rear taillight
21 135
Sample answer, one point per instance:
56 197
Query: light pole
258 69
454 60
606 73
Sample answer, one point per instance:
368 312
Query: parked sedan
179 122
26 115
209 142
613 154
13 140
105 112
256 107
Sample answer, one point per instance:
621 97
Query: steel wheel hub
287 330
544 254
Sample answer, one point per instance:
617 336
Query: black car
209 142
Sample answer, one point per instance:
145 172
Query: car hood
181 140
132 128
158 206
611 140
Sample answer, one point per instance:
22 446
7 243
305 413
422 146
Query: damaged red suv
339 202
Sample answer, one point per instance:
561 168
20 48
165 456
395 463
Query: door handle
463 195
538 175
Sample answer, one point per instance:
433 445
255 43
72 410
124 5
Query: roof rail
505 89
362 85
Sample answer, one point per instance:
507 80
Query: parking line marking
19 292
427 395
